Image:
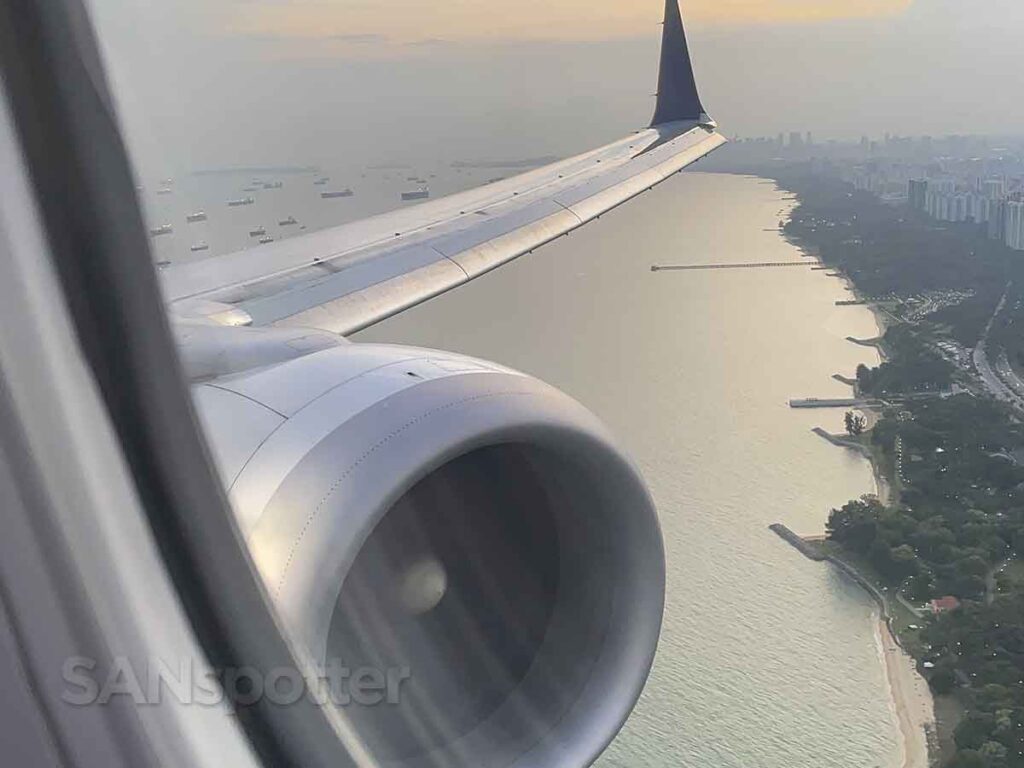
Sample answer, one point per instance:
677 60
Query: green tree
855 424
942 679
904 562
993 753
968 758
974 730
855 525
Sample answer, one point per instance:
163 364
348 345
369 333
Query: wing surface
346 278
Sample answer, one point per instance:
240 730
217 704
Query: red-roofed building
943 604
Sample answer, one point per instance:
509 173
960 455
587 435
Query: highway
1008 376
993 383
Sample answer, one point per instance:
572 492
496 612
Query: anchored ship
417 194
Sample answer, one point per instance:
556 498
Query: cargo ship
200 247
287 222
338 193
192 218
164 191
163 229
258 232
273 184
241 201
266 239
417 194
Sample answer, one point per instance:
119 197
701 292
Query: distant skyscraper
795 140
993 189
997 220
809 139
917 194
1014 225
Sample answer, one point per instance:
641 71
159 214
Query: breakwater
813 552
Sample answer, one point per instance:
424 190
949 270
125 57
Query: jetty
834 402
809 550
875 342
746 265
842 442
805 548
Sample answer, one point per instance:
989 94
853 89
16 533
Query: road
1009 376
993 383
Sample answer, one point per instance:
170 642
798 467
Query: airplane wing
345 278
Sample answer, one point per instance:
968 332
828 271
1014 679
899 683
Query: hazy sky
415 20
221 82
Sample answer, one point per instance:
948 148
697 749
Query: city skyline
539 80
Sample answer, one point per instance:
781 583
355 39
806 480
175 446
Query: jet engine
455 527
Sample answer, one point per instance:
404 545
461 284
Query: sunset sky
406 21
213 82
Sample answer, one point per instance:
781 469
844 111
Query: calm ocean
767 660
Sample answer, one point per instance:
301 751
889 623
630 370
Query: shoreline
911 703
913 706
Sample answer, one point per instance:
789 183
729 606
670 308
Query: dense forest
912 368
893 251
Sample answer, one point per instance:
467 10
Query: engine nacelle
461 527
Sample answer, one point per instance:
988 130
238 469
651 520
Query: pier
833 402
809 550
804 547
749 265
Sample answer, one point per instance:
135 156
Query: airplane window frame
71 144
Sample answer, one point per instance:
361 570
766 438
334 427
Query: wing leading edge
346 278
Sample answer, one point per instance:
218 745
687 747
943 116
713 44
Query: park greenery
954 525
913 367
894 252
855 424
961 508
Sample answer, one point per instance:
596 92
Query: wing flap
347 278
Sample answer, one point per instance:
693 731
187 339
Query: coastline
912 705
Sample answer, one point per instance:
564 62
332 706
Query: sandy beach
911 699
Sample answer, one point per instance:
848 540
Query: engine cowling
459 527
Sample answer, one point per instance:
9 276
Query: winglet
677 89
